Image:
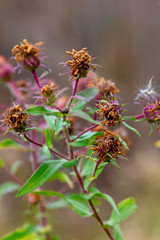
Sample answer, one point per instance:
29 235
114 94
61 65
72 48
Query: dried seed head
111 112
15 119
106 147
28 54
80 63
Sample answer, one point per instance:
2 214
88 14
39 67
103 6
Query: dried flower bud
6 70
106 147
106 87
80 63
28 54
48 93
15 119
33 198
111 111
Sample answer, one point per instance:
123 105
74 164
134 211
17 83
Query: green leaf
151 131
41 175
1 163
60 203
11 144
15 166
48 139
117 233
40 110
88 94
88 164
89 178
45 150
113 162
75 201
51 121
8 187
95 193
27 232
58 125
85 139
131 128
123 142
125 208
70 163
84 115
62 177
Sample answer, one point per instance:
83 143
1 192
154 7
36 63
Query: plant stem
14 89
36 79
80 134
74 92
41 145
44 222
82 187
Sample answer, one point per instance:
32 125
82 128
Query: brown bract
106 147
26 50
111 113
48 90
80 63
15 119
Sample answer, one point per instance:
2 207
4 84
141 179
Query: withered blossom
48 93
106 147
80 64
110 111
106 87
28 54
15 119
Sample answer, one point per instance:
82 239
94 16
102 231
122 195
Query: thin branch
80 134
41 145
74 92
14 178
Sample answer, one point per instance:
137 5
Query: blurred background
124 35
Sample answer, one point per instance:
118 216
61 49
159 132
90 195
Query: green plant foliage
1 163
43 173
62 177
77 202
84 116
48 139
95 193
40 110
27 232
117 233
15 166
10 144
125 208
85 139
131 128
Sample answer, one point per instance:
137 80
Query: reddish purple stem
80 134
74 92
36 79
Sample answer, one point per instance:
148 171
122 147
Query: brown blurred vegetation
125 37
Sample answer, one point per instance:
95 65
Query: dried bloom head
109 146
106 88
150 100
28 54
6 70
15 119
110 111
48 93
80 64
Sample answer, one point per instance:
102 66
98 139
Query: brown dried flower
106 87
80 63
28 54
48 93
111 111
107 147
15 119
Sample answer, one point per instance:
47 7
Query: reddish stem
80 134
36 79
74 92
40 145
